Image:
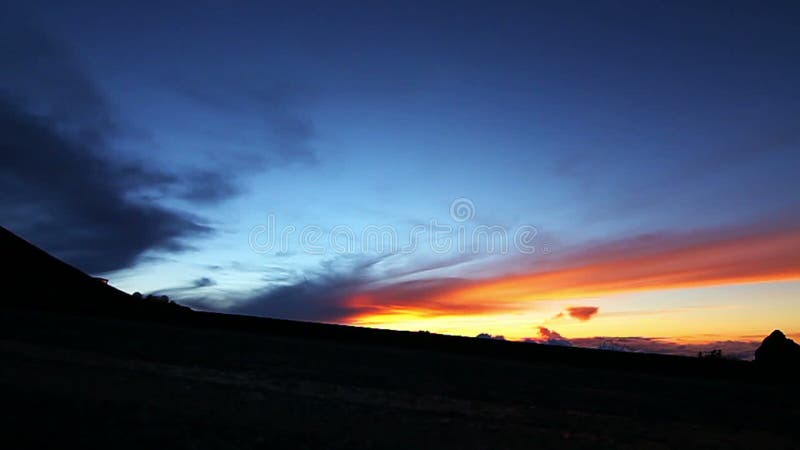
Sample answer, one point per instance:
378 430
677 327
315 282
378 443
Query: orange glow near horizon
455 305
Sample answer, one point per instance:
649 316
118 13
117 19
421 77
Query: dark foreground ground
69 380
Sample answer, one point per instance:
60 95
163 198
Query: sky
589 173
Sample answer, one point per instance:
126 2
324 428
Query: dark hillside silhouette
32 278
87 364
40 281
43 282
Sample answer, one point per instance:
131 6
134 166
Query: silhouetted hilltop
32 278
778 352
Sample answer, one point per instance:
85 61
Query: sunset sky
564 171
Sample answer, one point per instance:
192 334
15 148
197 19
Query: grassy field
92 381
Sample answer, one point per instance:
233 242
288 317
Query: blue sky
595 122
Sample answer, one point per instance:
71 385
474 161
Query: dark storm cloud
59 185
320 299
196 187
331 294
74 204
204 187
320 296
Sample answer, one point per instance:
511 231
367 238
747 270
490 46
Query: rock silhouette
777 351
